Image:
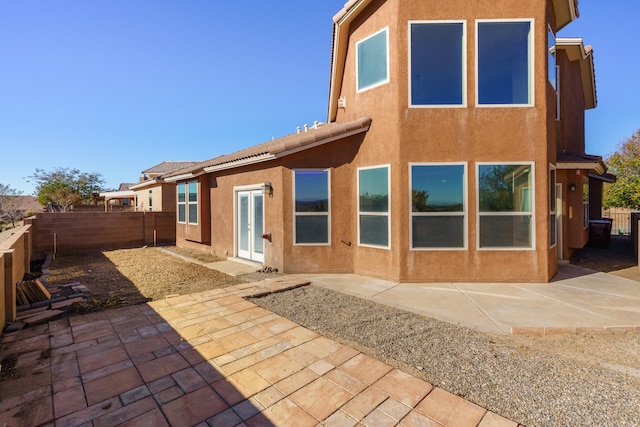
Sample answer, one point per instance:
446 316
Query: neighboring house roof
155 175
565 12
305 139
124 186
577 51
575 160
123 192
166 167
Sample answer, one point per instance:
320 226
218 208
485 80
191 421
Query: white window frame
327 214
464 213
388 214
181 203
552 52
464 64
553 214
382 82
190 203
557 92
532 213
532 64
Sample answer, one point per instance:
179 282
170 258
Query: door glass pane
258 224
243 226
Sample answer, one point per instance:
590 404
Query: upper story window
551 58
438 208
437 63
504 62
372 66
311 193
373 206
505 206
188 202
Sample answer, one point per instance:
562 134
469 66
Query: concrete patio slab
577 298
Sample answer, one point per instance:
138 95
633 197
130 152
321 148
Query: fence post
9 286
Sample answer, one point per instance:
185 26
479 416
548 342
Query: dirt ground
122 277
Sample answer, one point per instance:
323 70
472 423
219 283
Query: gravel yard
568 380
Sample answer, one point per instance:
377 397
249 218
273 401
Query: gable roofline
565 11
577 51
275 149
341 24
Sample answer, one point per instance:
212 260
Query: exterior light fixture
572 187
267 188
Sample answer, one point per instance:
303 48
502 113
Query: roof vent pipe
306 127
298 128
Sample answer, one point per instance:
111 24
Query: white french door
250 225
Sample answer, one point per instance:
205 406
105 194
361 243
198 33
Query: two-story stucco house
453 151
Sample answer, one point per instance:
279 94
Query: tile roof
568 159
303 139
124 186
166 167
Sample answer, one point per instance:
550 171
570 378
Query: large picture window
438 208
311 194
504 62
188 202
373 206
437 64
505 204
372 67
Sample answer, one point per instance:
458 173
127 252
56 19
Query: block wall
64 232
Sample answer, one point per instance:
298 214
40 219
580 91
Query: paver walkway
211 358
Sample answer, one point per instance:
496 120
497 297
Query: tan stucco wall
163 198
400 135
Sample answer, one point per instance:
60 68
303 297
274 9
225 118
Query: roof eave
577 51
566 11
341 24
598 167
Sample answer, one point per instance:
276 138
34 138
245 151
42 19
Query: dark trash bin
599 233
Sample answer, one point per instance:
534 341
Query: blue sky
118 86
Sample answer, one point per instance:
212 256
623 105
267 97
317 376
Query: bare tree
10 206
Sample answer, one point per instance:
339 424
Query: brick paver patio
211 358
